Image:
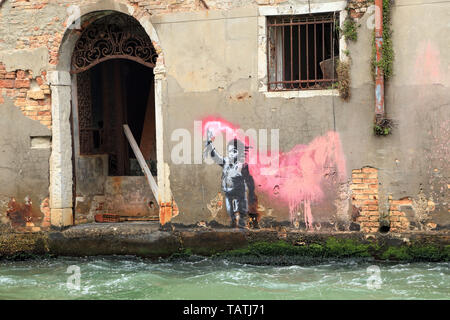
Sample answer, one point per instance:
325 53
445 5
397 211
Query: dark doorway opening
119 92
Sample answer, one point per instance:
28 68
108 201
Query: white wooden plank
141 161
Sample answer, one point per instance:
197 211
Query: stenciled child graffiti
237 183
296 177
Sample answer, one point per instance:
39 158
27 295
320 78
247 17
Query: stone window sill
301 93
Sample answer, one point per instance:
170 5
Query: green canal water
133 278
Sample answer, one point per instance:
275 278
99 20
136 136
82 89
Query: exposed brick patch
168 6
35 102
50 31
364 189
29 4
398 220
357 8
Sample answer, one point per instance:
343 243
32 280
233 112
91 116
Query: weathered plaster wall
211 58
420 93
411 161
220 80
24 165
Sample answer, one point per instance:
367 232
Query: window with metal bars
302 51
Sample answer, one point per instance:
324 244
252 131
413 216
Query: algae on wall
23 245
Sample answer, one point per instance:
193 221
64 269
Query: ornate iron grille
85 113
302 52
113 36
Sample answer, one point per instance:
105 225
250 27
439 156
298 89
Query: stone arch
89 13
114 36
64 100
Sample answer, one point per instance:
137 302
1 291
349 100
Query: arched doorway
111 94
112 64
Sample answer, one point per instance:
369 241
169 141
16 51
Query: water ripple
133 278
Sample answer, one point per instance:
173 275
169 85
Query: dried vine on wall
350 32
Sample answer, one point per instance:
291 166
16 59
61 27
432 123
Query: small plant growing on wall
350 29
343 67
387 58
343 73
383 127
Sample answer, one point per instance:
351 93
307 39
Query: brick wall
398 220
365 198
19 29
357 8
30 94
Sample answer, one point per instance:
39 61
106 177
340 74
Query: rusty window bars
302 51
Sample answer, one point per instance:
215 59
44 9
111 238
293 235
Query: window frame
291 50
290 10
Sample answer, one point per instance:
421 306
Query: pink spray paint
297 179
427 66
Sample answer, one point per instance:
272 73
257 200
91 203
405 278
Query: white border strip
301 93
301 8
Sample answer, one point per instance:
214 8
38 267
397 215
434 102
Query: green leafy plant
350 29
383 127
387 51
380 131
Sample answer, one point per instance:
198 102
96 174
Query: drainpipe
379 79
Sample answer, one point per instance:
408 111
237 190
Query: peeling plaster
35 60
342 204
215 205
423 207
